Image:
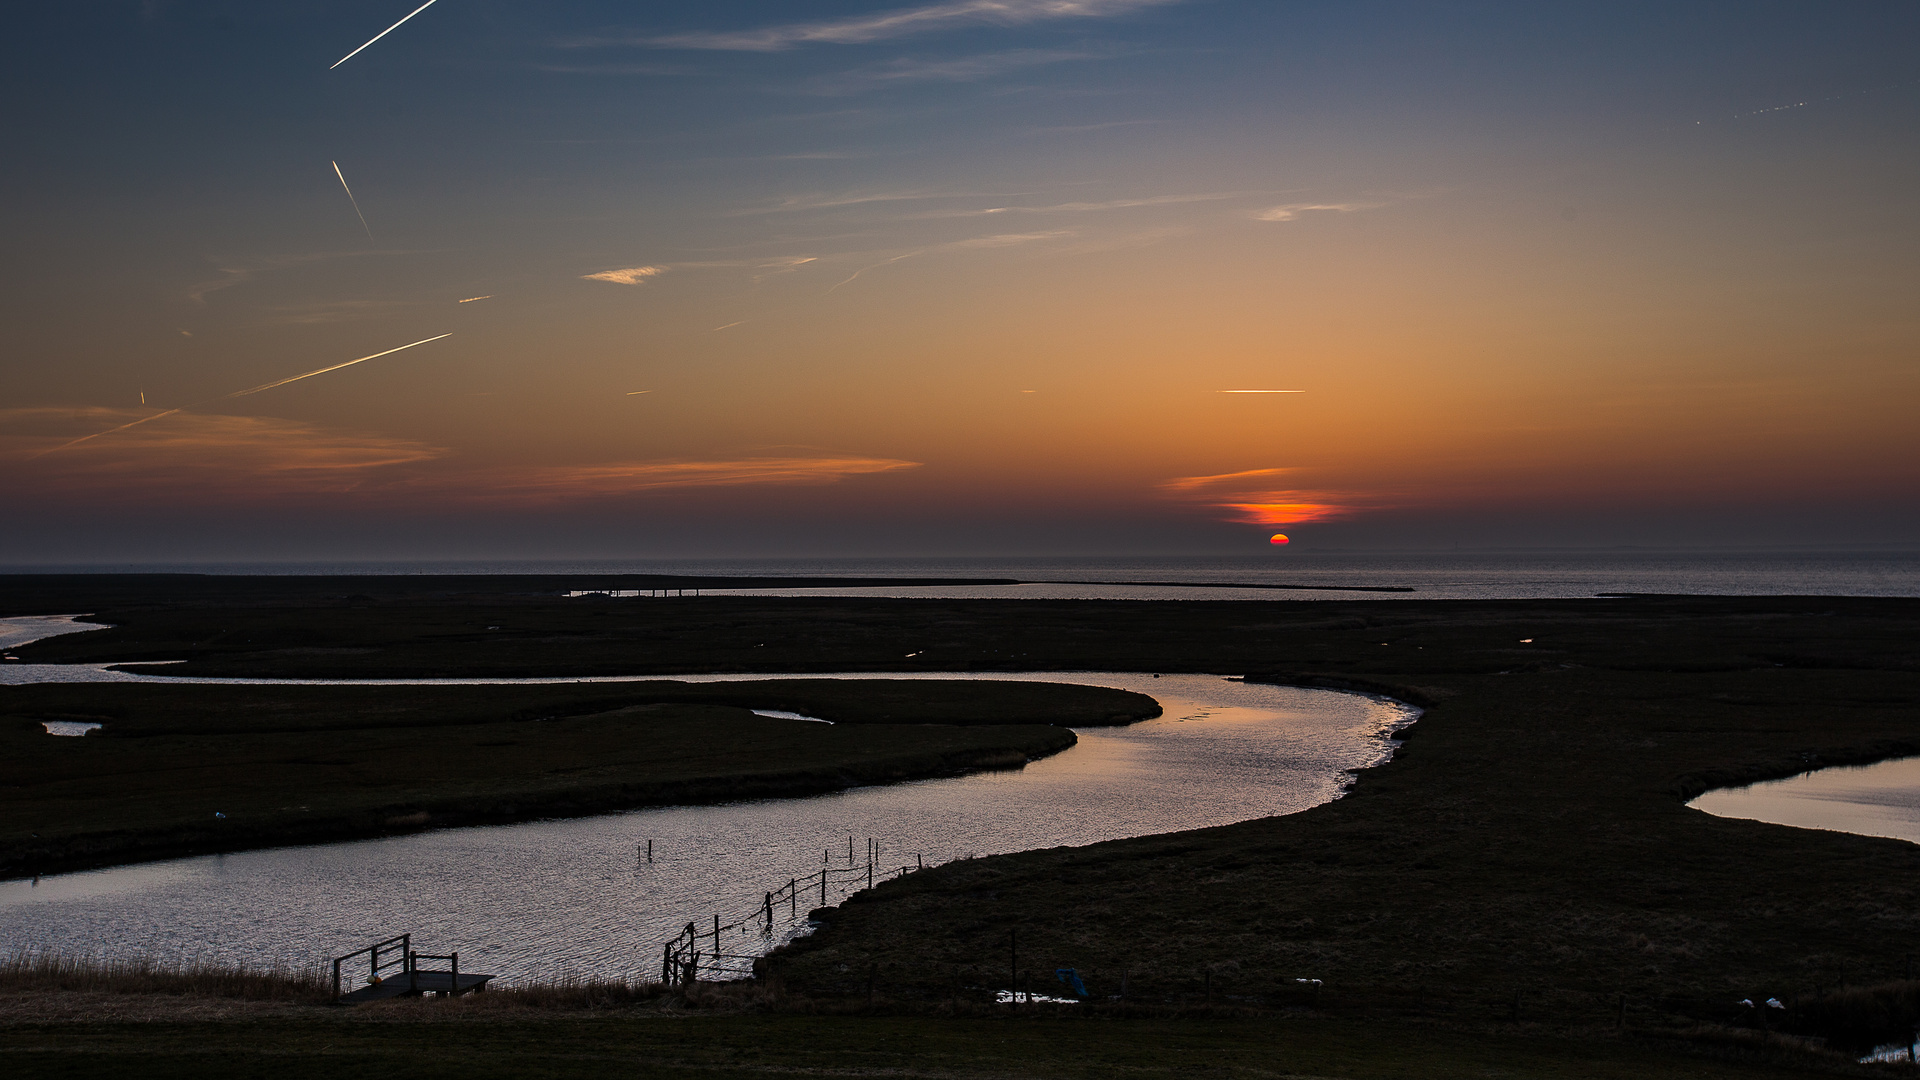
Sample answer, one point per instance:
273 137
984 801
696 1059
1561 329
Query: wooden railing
381 956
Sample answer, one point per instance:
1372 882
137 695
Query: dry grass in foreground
42 986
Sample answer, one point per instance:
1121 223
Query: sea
1282 575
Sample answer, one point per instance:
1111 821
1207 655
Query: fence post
793 897
336 980
716 935
1013 966
823 886
869 873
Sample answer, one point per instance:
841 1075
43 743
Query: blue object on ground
1072 978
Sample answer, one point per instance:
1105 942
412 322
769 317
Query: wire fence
728 948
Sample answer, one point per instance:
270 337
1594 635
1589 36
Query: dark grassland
299 764
1486 903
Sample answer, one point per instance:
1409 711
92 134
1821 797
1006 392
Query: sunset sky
960 277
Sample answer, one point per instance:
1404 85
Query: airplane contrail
324 370
237 393
1259 391
382 34
351 199
471 299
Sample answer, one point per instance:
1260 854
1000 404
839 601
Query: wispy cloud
240 271
1085 207
339 311
632 275
567 482
886 25
999 240
656 70
1252 497
1068 129
820 201
188 457
202 458
953 70
1291 211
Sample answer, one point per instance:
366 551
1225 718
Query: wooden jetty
393 970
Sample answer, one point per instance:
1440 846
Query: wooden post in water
769 913
649 851
716 935
849 849
793 897
823 886
918 864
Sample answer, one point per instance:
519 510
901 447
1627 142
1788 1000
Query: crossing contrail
237 393
382 34
351 199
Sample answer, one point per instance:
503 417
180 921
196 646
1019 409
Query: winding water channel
576 897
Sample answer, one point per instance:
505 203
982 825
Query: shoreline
418 817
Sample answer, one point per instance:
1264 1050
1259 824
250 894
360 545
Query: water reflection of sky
575 896
1882 799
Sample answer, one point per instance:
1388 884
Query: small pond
1882 799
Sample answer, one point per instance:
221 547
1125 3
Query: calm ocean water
1508 575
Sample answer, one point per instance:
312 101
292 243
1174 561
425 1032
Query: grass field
307 763
95 1019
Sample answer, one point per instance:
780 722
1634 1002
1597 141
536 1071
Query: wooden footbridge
393 970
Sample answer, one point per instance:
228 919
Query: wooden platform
418 982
